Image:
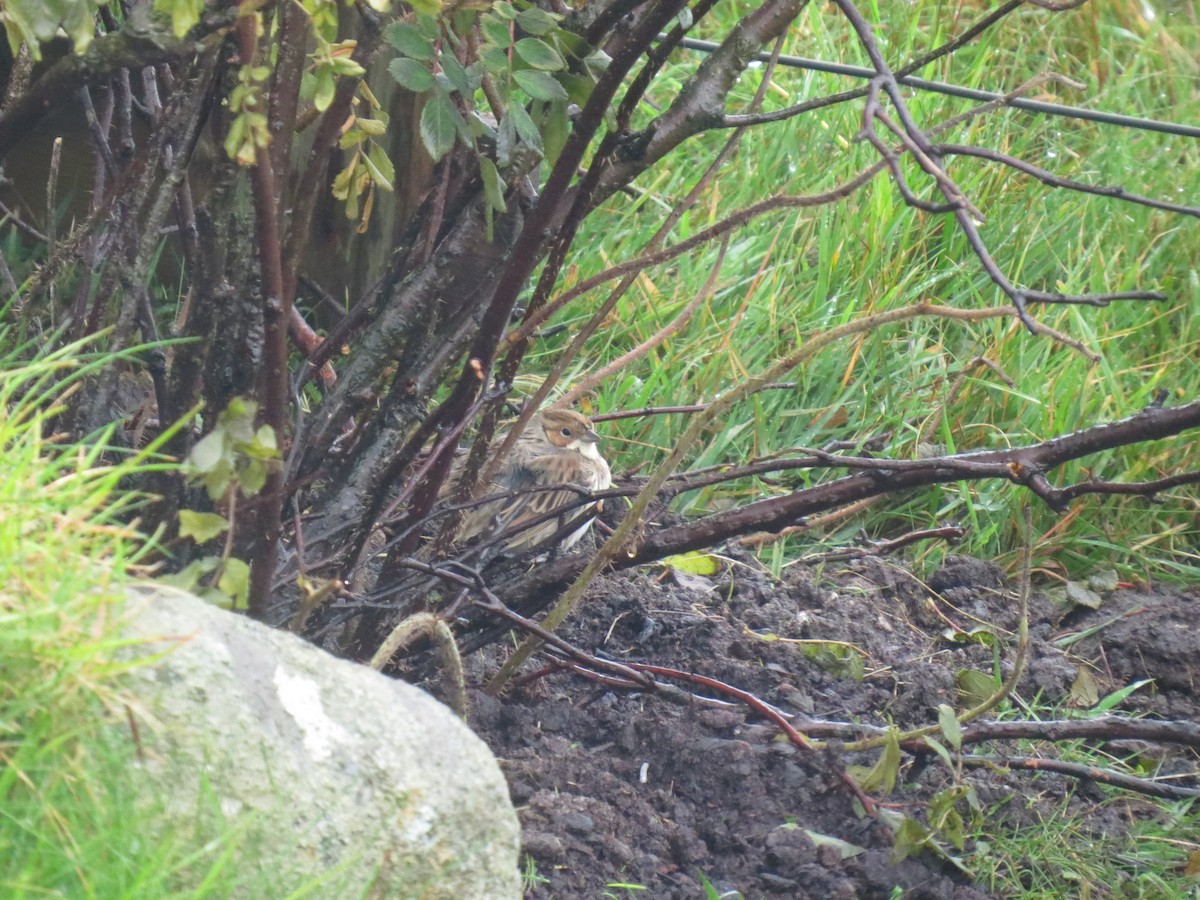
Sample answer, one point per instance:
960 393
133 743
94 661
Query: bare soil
615 787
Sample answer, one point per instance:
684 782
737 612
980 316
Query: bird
558 446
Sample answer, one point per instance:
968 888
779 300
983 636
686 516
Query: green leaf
457 75
495 32
495 62
525 128
578 88
539 54
217 482
598 61
493 187
252 476
238 419
555 129
911 838
536 21
351 138
378 178
539 85
408 40
209 451
188 579
201 526
1118 697
694 562
939 748
844 849
263 445
951 727
504 10
411 74
373 127
1085 692
382 166
184 13
428 7
235 582
883 774
428 24
323 94
506 140
974 687
439 125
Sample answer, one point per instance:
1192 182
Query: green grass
72 821
793 274
1061 854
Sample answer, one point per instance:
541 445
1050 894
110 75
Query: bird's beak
591 437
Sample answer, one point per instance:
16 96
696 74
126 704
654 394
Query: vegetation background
730 311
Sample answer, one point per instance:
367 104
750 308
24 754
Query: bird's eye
566 432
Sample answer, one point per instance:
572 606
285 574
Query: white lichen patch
301 698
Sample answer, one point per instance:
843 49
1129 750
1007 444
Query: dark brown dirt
617 787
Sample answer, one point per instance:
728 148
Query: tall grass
792 274
73 822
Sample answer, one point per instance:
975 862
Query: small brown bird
557 447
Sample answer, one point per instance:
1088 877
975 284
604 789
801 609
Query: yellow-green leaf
208 452
694 562
951 727
201 526
235 582
383 173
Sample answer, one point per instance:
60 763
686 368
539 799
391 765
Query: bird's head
569 430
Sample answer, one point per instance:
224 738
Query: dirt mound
622 788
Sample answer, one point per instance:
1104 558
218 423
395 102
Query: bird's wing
516 514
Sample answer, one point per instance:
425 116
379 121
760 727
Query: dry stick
1108 728
625 533
951 533
51 212
1148 489
762 538
1084 772
1018 666
671 328
7 282
273 377
18 79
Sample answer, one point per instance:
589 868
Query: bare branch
1049 178
927 157
1084 772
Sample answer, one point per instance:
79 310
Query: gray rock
333 770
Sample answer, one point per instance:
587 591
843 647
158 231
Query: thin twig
1084 772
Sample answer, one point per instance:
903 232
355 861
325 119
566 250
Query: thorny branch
956 202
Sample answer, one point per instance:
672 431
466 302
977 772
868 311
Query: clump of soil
615 787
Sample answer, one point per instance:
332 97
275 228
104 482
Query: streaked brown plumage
557 447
